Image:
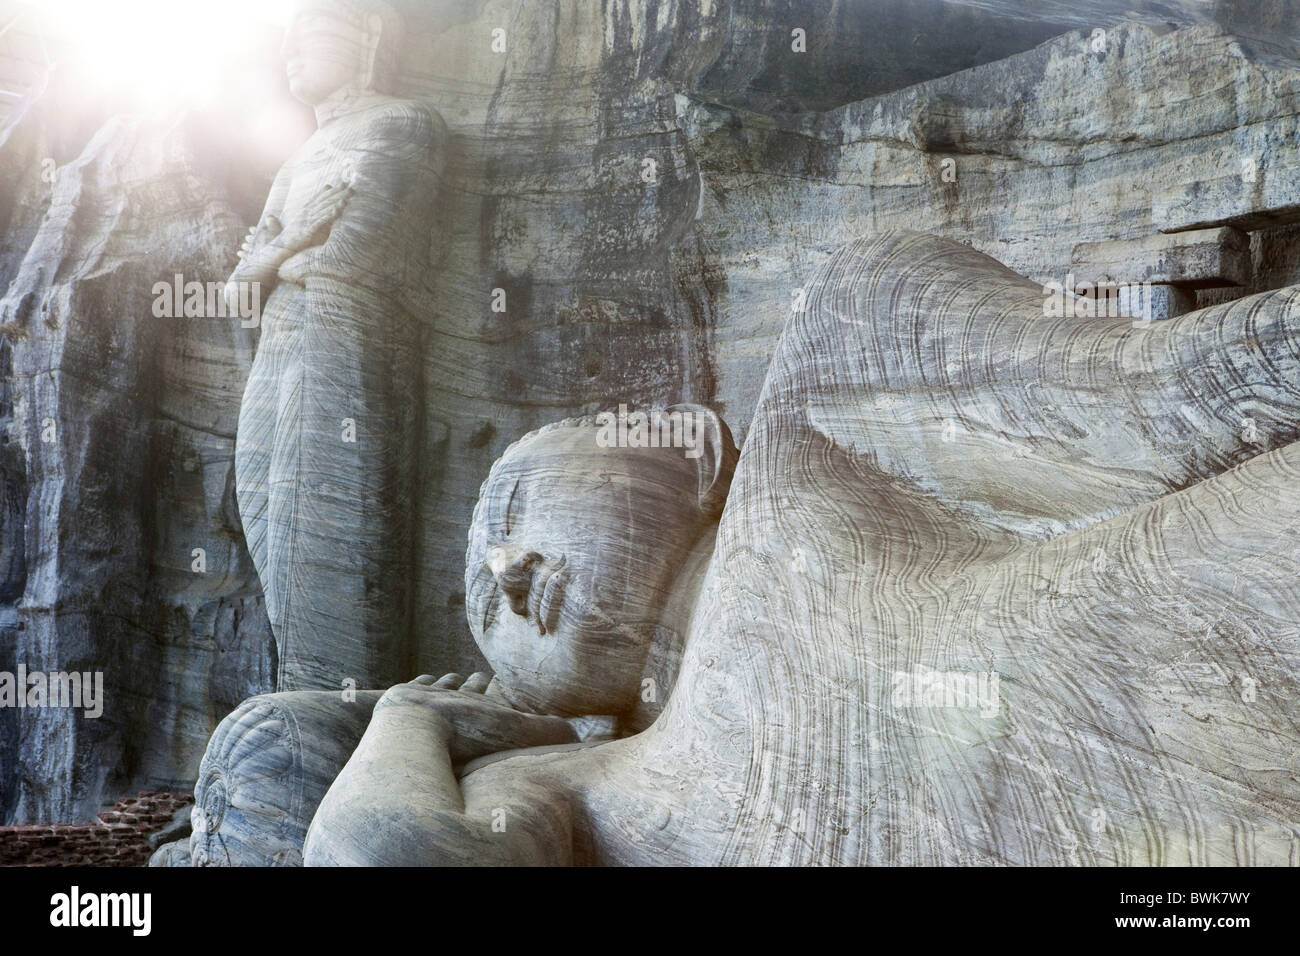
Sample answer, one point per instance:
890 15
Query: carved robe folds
328 446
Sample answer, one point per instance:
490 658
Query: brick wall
120 838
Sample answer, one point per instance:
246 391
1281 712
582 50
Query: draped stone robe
940 478
327 451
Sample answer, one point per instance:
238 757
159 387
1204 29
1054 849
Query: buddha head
576 545
333 45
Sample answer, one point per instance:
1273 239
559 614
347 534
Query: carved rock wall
649 186
119 436
651 230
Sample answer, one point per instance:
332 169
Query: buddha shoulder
403 121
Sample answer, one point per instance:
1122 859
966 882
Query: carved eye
483 591
510 503
483 581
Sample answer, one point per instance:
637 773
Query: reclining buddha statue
988 587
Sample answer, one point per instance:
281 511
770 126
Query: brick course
119 838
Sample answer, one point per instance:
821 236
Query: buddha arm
267 251
397 802
381 236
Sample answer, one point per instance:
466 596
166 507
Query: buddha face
573 554
324 51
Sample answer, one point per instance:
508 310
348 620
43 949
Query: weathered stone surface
176 829
960 599
264 773
176 853
1155 302
1024 159
329 450
122 428
1201 258
616 288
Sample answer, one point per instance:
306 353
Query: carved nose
513 569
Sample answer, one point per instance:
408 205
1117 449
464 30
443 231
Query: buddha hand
477 724
259 235
316 217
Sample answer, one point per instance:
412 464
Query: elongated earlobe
716 461
370 40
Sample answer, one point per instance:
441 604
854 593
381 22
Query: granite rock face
649 240
1201 258
989 588
1024 159
635 198
120 428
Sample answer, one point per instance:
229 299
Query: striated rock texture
264 773
1024 159
989 588
125 550
635 196
1079 530
329 449
649 236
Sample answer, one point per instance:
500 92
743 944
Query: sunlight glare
158 52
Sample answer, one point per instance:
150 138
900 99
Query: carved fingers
323 209
310 228
297 267
479 723
259 235
477 683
